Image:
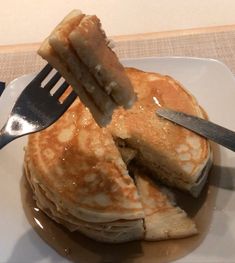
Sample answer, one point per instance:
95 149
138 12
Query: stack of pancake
79 171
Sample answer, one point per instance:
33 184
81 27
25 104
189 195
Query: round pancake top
159 140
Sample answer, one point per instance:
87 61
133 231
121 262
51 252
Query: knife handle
2 87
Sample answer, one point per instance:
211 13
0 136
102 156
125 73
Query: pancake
60 44
79 176
90 43
163 220
49 54
176 156
110 232
78 49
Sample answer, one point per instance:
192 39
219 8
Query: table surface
18 54
27 21
212 42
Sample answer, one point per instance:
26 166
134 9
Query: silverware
207 129
2 87
36 109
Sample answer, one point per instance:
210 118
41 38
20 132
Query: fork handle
5 138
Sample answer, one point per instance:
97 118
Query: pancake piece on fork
78 48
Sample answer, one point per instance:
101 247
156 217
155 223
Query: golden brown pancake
78 49
90 44
162 220
61 45
111 232
79 178
177 156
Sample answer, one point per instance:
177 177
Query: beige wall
23 21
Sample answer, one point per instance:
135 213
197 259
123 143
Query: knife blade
207 129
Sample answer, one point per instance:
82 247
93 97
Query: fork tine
70 99
61 90
51 83
43 73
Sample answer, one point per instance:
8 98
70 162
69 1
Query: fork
36 109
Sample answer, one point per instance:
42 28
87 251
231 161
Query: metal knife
207 129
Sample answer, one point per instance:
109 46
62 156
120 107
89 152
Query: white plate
212 84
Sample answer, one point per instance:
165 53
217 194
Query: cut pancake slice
176 156
162 219
62 52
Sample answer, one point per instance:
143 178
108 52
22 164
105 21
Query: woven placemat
217 45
